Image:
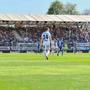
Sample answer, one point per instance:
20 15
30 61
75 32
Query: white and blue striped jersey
46 36
60 43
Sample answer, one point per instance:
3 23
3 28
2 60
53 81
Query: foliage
58 7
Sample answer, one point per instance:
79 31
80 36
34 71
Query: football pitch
30 71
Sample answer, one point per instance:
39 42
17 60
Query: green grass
31 72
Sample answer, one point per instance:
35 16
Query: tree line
58 8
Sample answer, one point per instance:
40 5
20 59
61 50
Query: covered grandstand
60 18
22 32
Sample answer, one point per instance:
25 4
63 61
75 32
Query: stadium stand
19 33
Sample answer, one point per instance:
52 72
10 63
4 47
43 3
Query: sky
36 6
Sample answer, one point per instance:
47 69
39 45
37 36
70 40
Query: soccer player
60 44
45 42
74 47
53 45
38 46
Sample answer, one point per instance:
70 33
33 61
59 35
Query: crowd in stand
31 35
6 36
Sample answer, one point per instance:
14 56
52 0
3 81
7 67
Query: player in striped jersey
45 42
60 44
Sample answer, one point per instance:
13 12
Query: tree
70 9
86 12
56 7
